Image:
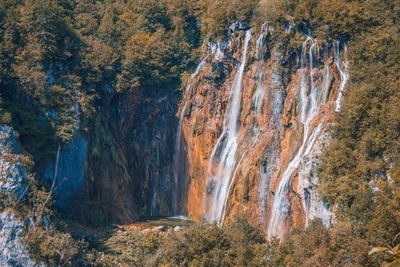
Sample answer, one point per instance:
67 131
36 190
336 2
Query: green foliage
46 240
321 246
5 117
41 89
33 207
216 16
52 247
237 244
360 169
139 43
147 61
58 57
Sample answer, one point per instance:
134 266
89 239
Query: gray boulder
12 174
12 249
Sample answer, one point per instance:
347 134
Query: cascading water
344 75
226 145
260 91
260 42
309 108
272 155
178 142
217 49
325 83
234 176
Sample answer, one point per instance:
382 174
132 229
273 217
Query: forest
59 57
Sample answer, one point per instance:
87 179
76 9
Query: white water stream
309 108
222 164
344 75
260 91
255 139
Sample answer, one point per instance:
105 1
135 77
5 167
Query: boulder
237 26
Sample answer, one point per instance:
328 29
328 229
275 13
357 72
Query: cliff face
121 169
70 176
130 154
254 127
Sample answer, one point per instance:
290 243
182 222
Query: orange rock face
271 129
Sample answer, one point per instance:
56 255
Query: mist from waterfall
222 164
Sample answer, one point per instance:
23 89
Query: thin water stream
222 164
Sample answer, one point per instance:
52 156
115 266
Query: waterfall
271 156
267 170
227 145
309 108
303 82
260 91
234 176
289 27
344 75
178 141
260 43
314 93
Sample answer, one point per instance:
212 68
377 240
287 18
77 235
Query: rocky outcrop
308 181
12 178
13 251
237 26
12 174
